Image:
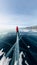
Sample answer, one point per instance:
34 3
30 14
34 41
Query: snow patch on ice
4 60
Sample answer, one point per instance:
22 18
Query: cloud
25 20
18 12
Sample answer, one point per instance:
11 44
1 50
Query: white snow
26 62
6 61
20 59
28 46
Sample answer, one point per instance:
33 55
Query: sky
18 12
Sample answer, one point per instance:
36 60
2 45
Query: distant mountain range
31 27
